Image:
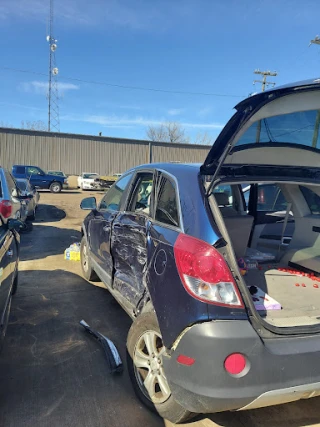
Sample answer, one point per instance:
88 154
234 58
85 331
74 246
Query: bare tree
167 132
5 124
157 133
176 133
34 125
204 139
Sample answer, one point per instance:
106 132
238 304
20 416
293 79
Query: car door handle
10 253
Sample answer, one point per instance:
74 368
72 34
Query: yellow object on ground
71 255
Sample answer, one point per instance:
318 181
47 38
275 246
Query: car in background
12 201
106 181
39 179
32 201
57 173
86 181
9 258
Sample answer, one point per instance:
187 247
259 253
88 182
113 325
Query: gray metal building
74 153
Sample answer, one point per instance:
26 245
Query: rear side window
112 199
167 207
312 199
20 170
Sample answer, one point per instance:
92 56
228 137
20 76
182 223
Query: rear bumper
278 371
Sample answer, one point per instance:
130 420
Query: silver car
32 195
12 201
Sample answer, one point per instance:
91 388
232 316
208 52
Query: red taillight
5 209
205 273
235 363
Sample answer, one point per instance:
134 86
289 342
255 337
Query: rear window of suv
293 128
20 170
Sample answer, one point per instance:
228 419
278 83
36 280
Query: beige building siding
74 154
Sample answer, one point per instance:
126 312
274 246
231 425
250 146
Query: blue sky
204 46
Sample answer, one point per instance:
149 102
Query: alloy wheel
147 360
85 258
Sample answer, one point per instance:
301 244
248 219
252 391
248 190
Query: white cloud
175 111
39 10
41 88
27 107
124 121
135 15
203 112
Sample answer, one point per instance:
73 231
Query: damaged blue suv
226 313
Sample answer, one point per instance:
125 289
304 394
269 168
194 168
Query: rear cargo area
277 247
297 294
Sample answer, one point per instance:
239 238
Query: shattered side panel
128 246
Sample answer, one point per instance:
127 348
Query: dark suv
219 324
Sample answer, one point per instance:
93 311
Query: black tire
28 226
32 217
169 409
15 285
55 187
87 270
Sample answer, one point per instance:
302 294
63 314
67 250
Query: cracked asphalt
53 374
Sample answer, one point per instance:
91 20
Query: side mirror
88 204
16 224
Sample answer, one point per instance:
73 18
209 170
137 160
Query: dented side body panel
129 251
99 234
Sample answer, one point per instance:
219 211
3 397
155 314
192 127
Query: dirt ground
52 374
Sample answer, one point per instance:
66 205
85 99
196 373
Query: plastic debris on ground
72 253
111 352
262 301
246 264
255 255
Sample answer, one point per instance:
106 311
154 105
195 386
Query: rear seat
238 224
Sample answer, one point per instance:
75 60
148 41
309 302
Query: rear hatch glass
301 128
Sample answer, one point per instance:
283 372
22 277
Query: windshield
22 185
89 175
301 128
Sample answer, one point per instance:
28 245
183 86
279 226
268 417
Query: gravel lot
52 373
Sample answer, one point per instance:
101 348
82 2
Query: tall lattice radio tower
53 92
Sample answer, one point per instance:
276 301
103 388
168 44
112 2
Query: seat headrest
222 199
